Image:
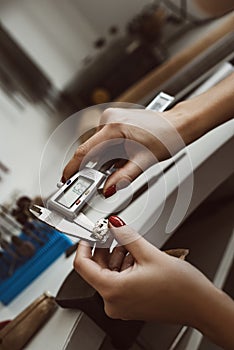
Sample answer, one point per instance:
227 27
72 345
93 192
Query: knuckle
80 152
111 127
112 294
77 264
119 250
109 117
117 257
109 112
114 265
108 295
111 311
124 179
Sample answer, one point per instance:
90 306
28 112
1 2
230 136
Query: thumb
139 247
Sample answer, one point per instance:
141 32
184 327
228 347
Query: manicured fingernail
110 191
63 180
116 221
4 324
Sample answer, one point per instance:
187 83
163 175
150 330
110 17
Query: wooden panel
162 73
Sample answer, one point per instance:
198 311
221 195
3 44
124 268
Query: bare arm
216 8
156 132
195 117
217 320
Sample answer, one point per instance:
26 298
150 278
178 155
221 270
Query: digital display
74 192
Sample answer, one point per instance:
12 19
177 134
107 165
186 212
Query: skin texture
145 283
216 8
157 287
143 137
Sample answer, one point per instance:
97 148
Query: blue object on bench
26 270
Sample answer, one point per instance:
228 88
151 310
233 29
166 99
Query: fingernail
116 221
63 180
4 324
110 191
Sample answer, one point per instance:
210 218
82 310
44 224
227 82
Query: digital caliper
63 210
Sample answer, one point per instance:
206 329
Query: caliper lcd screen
74 192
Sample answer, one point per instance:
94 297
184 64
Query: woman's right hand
140 138
146 136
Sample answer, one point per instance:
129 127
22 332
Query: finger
135 244
84 250
102 252
127 262
178 253
84 150
121 178
116 258
101 256
86 267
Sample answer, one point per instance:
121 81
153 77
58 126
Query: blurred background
59 57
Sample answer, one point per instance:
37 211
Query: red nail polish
116 221
4 323
110 191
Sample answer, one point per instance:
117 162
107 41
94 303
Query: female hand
155 286
145 137
139 137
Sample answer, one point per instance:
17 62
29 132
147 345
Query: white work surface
207 163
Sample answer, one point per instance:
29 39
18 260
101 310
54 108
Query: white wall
57 35
23 134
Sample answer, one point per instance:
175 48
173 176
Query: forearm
194 117
215 8
217 319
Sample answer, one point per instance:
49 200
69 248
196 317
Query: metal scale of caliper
63 209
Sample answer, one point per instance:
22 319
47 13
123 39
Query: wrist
194 117
217 318
188 120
